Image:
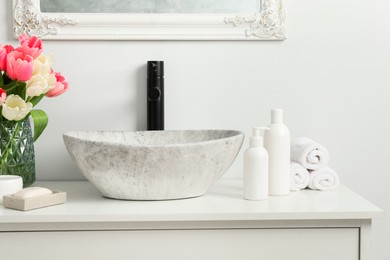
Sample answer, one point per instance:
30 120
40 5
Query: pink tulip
59 87
3 58
19 66
31 46
3 96
4 50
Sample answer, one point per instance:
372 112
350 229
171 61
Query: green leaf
1 80
22 90
6 79
40 122
10 86
35 100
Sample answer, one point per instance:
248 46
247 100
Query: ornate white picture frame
267 24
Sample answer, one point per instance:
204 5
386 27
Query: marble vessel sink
153 165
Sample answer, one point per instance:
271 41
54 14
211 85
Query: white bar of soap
32 192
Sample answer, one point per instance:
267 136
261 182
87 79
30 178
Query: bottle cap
256 140
276 116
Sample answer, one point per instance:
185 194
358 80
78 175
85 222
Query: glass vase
17 150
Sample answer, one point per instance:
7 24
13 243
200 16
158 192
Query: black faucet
155 95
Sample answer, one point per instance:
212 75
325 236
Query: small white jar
9 184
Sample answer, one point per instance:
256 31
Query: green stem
7 148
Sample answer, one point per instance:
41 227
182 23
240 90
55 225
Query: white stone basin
153 165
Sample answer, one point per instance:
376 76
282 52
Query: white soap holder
25 204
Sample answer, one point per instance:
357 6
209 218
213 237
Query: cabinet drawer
226 244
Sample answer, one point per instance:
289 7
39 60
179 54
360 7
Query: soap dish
25 204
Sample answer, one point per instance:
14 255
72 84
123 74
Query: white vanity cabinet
220 225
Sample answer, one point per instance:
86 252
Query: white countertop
223 203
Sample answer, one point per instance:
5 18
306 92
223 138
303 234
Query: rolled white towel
309 154
324 179
299 177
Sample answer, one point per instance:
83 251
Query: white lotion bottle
256 168
277 144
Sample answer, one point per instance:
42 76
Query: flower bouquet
26 77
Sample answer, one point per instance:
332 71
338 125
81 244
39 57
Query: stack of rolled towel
309 166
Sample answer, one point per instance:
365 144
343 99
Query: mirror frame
267 24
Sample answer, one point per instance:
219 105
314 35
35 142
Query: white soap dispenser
277 144
256 168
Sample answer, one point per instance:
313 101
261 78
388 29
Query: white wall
331 76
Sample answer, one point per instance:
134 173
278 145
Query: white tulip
42 65
42 80
40 84
15 108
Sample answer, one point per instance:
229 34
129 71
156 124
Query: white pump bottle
256 168
277 144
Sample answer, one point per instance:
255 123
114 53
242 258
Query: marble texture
153 165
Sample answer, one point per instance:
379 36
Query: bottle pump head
256 140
